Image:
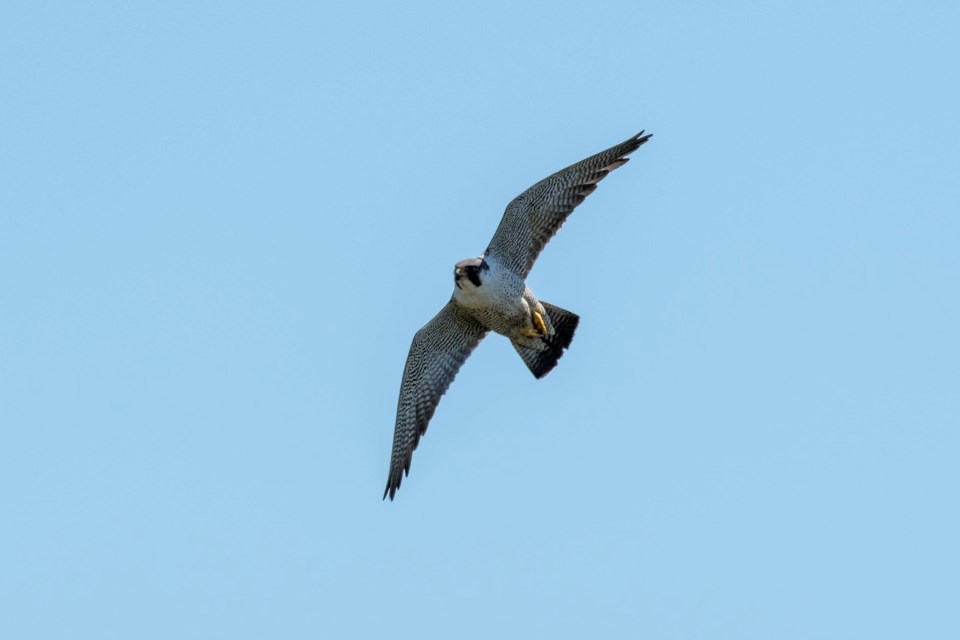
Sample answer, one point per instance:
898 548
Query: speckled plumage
490 294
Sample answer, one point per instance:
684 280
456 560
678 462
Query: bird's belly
502 311
505 320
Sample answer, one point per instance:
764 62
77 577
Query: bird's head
467 274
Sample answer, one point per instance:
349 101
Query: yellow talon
538 322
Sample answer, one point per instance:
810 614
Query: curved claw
540 326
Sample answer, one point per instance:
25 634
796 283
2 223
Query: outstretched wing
436 355
533 217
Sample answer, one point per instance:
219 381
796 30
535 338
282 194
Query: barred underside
440 348
535 216
438 351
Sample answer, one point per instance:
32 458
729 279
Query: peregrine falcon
490 294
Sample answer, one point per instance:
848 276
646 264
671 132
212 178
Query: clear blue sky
221 224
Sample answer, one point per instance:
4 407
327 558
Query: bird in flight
490 294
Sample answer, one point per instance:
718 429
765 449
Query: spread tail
564 324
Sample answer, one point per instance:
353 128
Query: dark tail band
564 324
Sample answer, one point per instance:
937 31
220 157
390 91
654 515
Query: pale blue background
221 224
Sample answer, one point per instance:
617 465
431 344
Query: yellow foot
539 326
539 323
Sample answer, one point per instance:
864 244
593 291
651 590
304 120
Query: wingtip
390 491
393 483
396 475
633 143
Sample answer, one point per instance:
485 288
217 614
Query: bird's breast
498 303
